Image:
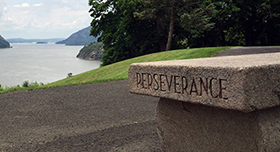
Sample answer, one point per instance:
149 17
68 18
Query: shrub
35 84
25 84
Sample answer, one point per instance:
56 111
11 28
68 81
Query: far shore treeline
130 28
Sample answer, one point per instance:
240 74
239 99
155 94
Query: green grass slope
119 71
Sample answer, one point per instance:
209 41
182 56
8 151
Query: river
40 62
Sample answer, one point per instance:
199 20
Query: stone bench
214 104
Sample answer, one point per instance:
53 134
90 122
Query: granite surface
191 127
245 83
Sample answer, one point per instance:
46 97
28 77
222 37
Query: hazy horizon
40 19
36 38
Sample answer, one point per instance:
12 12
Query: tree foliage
177 14
130 28
248 22
123 36
93 51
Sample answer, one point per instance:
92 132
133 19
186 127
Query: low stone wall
214 104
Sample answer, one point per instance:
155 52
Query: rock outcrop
93 51
4 43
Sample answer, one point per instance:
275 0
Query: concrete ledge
245 83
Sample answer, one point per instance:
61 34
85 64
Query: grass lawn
119 70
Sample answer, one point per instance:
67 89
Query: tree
251 18
168 13
239 22
130 28
271 32
248 22
123 36
227 29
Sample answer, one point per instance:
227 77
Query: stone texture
245 83
191 127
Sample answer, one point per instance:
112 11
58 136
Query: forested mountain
131 28
79 38
93 51
4 43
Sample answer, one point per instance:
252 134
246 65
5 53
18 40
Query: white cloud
25 5
69 24
22 5
38 4
9 19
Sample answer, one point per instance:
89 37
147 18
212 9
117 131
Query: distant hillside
21 40
4 43
79 38
93 51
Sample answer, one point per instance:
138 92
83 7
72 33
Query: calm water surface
40 62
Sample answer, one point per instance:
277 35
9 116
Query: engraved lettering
157 86
221 88
193 88
184 87
150 81
161 82
143 80
176 84
169 82
204 86
138 75
211 88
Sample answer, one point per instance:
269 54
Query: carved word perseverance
193 86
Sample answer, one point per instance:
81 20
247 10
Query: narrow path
249 50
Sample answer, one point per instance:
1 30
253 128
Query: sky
43 18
